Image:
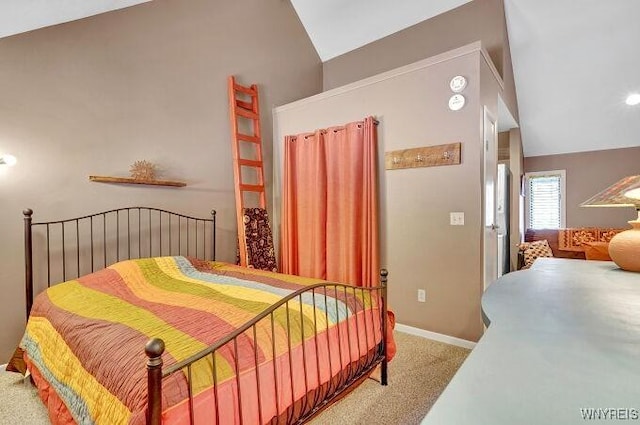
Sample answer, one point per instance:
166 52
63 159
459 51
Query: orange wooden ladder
247 110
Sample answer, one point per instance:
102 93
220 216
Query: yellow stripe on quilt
298 280
140 286
169 266
86 302
58 358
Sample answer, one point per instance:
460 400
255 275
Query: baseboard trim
3 367
435 336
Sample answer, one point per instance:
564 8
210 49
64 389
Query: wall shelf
130 180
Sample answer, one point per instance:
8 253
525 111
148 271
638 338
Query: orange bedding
85 338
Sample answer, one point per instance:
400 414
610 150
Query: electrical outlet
422 295
456 218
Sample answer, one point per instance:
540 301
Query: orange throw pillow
597 251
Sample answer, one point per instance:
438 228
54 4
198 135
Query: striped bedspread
84 342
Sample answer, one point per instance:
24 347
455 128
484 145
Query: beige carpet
417 376
19 402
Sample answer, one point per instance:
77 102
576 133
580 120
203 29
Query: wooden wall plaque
428 156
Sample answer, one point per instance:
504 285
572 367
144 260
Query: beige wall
479 20
587 174
148 82
420 248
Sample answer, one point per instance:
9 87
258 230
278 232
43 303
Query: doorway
490 170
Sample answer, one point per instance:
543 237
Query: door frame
488 116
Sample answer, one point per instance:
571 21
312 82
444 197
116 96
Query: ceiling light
7 159
633 99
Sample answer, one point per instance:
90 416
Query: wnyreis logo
609 413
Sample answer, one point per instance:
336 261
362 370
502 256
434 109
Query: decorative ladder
252 222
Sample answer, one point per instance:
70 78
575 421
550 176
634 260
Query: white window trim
563 193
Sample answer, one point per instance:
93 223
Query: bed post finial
383 282
213 235
154 349
28 259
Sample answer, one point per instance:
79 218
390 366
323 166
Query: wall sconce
8 160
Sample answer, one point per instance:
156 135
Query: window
545 199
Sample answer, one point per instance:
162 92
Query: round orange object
624 248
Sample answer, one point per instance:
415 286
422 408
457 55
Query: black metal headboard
74 247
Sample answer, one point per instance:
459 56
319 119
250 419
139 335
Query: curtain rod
375 122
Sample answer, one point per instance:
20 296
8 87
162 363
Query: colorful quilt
84 342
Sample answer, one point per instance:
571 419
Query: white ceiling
574 63
17 16
339 26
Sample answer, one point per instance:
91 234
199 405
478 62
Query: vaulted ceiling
574 62
338 26
17 16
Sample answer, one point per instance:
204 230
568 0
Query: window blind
545 202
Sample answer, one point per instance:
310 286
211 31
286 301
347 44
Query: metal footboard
298 410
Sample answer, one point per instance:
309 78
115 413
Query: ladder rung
246 105
252 188
247 138
249 163
243 89
246 113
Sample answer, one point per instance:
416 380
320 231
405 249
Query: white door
490 141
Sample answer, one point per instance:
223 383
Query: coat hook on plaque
396 160
419 158
446 155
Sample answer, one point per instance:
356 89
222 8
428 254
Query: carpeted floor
420 371
19 402
417 375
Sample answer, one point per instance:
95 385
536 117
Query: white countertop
563 336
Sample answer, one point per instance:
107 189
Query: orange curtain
330 204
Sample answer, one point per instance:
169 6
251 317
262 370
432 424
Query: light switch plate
456 218
422 295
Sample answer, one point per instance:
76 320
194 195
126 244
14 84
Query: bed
221 344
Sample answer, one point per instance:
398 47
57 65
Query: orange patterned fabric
597 251
577 239
534 250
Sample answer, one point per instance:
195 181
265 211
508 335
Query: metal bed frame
187 229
